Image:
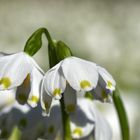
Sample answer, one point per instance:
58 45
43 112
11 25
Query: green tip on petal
57 91
89 95
34 99
6 82
85 84
78 131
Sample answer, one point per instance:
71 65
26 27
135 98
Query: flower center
6 82
85 84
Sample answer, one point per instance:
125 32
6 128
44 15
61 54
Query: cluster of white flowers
72 76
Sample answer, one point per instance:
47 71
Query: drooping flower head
20 71
75 75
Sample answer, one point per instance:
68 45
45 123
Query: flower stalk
57 51
121 115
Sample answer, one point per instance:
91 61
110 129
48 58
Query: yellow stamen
78 131
51 129
34 99
85 84
6 82
70 108
57 91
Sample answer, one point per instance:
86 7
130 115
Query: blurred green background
103 31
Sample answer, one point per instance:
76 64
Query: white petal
80 74
7 97
102 128
106 80
36 77
13 70
101 94
54 82
23 90
83 120
70 99
46 101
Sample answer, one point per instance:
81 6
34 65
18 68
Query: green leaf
15 134
122 115
62 51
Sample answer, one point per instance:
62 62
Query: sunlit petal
36 77
80 74
54 82
105 79
13 70
102 129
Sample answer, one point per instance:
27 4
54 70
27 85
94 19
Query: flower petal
54 82
101 94
80 74
13 70
36 77
105 79
23 90
83 120
102 128
70 99
46 101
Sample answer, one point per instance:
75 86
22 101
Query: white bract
73 75
20 71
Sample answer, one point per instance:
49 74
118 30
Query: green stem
66 121
53 60
122 115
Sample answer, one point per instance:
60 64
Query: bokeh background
104 31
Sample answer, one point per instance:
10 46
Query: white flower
86 121
30 121
20 71
73 75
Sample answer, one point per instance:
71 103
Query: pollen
70 108
6 82
78 131
109 84
34 99
57 91
85 84
26 82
